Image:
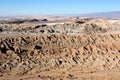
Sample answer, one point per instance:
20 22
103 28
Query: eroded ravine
59 56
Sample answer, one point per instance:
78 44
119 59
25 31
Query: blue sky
56 7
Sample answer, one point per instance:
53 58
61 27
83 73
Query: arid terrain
59 48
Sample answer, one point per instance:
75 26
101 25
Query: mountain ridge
112 14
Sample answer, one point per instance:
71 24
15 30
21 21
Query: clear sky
56 7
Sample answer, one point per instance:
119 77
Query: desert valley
59 48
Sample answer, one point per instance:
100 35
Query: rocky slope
64 56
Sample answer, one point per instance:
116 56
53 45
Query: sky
56 7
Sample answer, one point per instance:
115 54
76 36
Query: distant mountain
113 15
